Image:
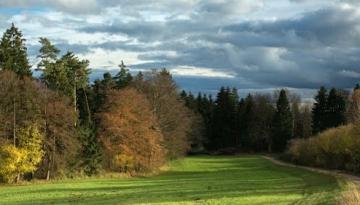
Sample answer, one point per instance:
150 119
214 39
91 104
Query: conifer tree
336 109
123 78
13 52
319 111
357 86
100 90
247 122
282 123
224 135
48 53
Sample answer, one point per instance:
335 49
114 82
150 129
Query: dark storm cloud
319 47
329 27
309 51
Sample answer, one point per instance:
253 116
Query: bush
337 148
13 162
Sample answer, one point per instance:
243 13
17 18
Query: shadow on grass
193 180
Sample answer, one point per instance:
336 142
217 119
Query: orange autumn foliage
129 133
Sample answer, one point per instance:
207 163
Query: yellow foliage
123 163
337 148
31 139
12 162
15 161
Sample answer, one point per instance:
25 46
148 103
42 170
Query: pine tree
319 111
13 52
100 90
247 122
77 78
91 153
357 86
48 53
224 133
336 109
282 123
220 127
123 78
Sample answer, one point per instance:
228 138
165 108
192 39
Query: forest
61 125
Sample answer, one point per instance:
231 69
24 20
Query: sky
254 45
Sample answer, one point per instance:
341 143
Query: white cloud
350 73
200 72
100 58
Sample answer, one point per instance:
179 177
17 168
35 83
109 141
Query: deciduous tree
129 132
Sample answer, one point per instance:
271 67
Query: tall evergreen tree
77 78
224 134
123 77
336 109
247 120
319 111
48 53
282 123
100 90
357 86
13 52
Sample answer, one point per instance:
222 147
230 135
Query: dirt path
348 177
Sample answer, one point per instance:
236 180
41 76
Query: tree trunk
75 100
48 174
270 147
87 106
14 122
49 169
47 133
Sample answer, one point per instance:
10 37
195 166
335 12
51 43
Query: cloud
200 72
243 43
73 6
350 74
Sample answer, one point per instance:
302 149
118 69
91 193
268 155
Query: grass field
194 180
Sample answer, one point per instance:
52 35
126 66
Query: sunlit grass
194 180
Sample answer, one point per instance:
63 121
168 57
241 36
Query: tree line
265 122
334 148
61 125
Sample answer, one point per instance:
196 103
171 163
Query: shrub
31 140
337 148
13 162
123 163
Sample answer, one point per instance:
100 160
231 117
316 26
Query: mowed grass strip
193 180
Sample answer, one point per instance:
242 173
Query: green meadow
194 180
